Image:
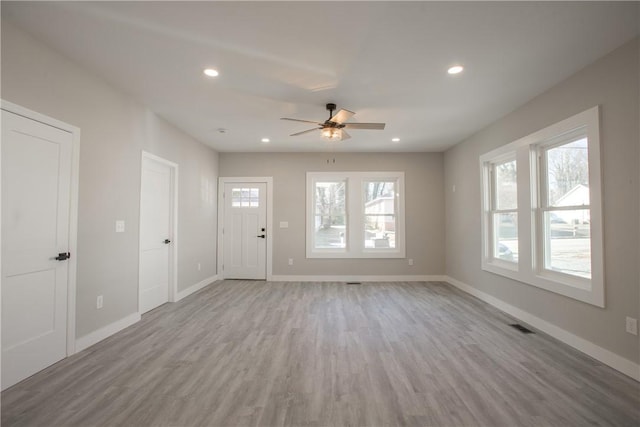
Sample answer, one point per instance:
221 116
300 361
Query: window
380 214
504 211
330 215
355 215
541 207
245 197
564 212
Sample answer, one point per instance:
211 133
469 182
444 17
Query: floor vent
522 328
354 283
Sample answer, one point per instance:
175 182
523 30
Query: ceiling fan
333 128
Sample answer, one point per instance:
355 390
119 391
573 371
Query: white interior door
36 189
156 233
245 233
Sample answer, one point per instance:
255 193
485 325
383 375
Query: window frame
312 214
543 206
355 215
492 209
530 266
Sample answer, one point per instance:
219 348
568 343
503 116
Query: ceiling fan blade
345 135
304 131
298 120
371 126
341 116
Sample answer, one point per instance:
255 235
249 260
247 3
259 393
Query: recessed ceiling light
455 69
395 140
211 72
265 140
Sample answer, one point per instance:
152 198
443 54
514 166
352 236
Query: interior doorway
40 158
158 232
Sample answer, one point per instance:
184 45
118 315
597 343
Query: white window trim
491 209
355 216
528 267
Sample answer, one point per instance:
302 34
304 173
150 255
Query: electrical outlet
120 226
290 261
410 261
99 302
632 326
199 267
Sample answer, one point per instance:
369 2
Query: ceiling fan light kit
332 134
333 128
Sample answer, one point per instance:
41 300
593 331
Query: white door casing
158 195
244 214
39 224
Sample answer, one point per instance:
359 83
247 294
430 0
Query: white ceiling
386 61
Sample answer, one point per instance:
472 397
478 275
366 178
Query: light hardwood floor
325 354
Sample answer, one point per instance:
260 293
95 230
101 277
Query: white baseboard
195 288
356 278
601 354
106 331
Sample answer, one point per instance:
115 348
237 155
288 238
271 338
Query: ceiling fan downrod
331 107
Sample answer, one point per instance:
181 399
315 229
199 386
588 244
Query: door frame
173 211
73 210
268 180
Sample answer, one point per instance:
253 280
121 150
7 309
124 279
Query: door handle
167 241
63 256
262 236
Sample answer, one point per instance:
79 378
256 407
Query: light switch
284 224
119 226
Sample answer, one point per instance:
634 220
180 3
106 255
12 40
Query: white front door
245 233
36 190
156 233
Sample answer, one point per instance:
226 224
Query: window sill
362 255
579 289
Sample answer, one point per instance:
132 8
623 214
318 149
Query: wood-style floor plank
250 353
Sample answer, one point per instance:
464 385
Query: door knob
63 256
167 241
262 236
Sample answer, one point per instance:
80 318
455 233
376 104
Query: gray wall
424 208
611 82
114 130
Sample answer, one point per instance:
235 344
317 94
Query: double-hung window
355 215
541 209
503 212
564 216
